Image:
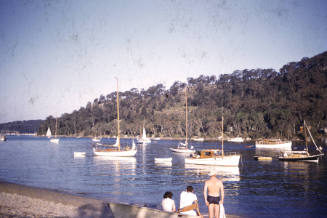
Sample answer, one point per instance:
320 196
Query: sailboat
116 151
49 133
55 139
144 139
303 155
183 147
215 157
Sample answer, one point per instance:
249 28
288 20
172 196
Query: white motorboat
236 139
79 154
54 140
162 159
198 139
274 144
215 157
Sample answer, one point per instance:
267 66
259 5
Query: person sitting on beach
167 203
213 194
189 203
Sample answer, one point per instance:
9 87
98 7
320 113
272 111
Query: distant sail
49 133
144 134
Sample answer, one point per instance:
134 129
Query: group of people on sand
213 193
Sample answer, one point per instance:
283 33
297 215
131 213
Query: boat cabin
205 153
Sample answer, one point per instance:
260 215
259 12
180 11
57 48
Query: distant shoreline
205 139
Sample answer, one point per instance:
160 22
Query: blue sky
55 56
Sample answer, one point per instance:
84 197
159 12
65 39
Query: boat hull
79 154
198 139
309 158
284 145
237 139
124 153
144 141
162 160
262 158
56 141
179 150
230 161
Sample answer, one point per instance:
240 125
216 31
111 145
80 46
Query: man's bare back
214 186
213 195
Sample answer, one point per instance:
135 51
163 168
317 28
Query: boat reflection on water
120 165
304 172
266 152
119 160
299 167
225 173
164 162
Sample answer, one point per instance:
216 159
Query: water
256 188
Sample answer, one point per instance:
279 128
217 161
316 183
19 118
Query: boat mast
186 129
305 136
118 129
311 139
222 133
56 128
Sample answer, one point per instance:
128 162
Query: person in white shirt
188 198
167 203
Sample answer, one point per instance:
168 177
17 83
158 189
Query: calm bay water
255 189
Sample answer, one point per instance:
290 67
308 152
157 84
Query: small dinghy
262 158
79 154
162 160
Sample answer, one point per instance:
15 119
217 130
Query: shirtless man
213 194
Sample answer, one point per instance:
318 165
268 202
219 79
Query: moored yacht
215 157
115 150
274 144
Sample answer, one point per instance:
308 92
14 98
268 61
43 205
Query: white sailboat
49 133
215 157
303 155
144 139
55 139
115 150
183 147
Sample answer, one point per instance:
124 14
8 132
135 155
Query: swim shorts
213 200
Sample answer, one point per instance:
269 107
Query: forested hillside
28 126
255 103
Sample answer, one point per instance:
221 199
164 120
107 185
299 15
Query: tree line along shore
257 103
